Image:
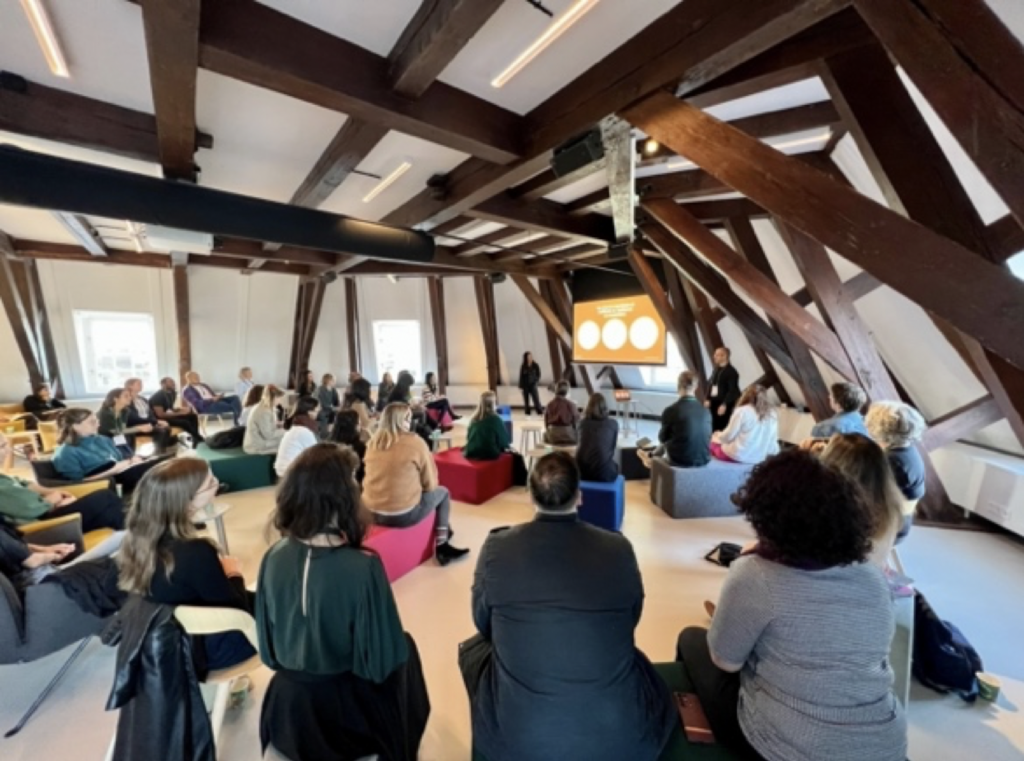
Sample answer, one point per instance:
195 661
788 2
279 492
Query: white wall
14 381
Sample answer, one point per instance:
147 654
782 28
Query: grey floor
972 579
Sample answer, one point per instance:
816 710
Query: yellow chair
66 529
48 433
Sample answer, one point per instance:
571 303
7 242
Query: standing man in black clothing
723 390
529 377
685 433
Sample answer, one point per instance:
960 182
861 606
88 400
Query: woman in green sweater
487 438
348 681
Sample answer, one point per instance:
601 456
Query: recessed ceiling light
557 28
46 37
383 185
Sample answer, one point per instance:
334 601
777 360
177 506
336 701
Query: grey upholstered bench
696 492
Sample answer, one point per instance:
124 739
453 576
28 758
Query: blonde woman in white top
263 432
753 431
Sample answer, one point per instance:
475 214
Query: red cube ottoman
402 549
473 481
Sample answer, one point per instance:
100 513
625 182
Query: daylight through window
115 346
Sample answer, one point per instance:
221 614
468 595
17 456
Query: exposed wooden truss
182 321
352 325
435 292
22 297
484 290
308 301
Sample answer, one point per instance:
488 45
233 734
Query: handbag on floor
943 658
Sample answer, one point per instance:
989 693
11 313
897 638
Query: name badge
120 440
714 391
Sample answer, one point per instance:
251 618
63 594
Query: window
397 347
1016 264
115 346
668 375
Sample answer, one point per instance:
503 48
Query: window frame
90 360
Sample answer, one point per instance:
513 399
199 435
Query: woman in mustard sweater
487 438
400 487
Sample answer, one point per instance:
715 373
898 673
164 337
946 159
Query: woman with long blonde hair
753 431
263 432
487 438
400 487
898 427
164 559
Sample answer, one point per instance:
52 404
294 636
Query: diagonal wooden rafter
698 40
918 180
352 325
967 64
28 108
762 290
544 216
484 291
435 292
22 297
977 297
256 44
172 46
961 422
1005 237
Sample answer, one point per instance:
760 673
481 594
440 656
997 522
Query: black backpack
230 439
943 658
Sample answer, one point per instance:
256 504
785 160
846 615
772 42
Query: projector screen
621 331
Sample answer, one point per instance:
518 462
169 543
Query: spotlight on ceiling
651 146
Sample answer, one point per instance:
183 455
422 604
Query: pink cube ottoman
402 549
473 481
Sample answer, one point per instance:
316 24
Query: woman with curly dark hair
796 664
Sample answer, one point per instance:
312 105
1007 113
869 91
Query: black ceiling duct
47 182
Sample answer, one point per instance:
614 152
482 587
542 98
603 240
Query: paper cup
988 686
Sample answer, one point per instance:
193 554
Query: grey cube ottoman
696 492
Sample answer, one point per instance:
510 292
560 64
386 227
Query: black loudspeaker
617 251
496 277
577 153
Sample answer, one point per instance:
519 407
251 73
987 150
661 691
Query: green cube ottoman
237 469
678 748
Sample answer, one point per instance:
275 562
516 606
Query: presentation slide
623 331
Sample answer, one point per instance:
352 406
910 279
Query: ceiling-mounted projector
167 239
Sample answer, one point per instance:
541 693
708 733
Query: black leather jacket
155 686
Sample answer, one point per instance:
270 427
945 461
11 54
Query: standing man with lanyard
723 389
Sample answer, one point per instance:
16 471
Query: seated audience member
897 427
796 664
387 385
353 376
346 431
166 407
204 401
41 405
83 455
164 560
301 432
330 403
245 383
141 413
401 392
561 418
864 462
358 400
347 680
23 502
307 384
599 440
400 488
434 400
753 431
846 400
556 602
487 438
685 433
422 424
252 398
264 432
113 419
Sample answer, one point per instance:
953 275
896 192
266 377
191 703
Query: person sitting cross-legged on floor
561 418
400 487
753 430
554 672
347 680
24 502
206 402
685 433
795 666
487 437
599 440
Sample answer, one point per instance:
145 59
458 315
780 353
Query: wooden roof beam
172 46
544 216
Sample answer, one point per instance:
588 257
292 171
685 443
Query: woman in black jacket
529 377
599 438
